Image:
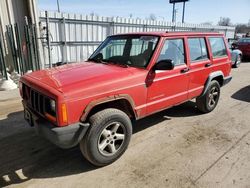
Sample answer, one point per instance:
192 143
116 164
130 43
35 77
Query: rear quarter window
218 46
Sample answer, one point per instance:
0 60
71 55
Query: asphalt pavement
179 147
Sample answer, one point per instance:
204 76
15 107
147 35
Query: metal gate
24 55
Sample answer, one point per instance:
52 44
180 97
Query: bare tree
93 14
207 23
242 28
224 21
152 17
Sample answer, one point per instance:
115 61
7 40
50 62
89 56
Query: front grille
38 103
35 100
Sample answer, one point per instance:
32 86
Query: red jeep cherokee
128 77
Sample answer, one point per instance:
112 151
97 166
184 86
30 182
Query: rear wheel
209 100
108 137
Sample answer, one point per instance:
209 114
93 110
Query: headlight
52 105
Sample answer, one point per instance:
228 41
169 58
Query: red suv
128 77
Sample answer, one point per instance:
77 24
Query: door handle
208 64
185 70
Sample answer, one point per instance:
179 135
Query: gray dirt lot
189 150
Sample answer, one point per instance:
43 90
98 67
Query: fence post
111 28
35 48
11 40
64 54
19 49
28 45
226 32
2 61
47 38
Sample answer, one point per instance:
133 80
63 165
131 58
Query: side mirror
165 64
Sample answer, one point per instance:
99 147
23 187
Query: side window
218 46
197 49
173 49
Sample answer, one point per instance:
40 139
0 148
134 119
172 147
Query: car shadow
246 60
243 94
24 155
183 110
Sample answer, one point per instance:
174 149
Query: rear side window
197 49
218 46
173 49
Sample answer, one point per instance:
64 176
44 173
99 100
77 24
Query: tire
108 137
209 100
237 62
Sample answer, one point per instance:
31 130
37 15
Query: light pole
173 12
183 11
58 6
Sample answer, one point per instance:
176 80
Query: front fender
104 100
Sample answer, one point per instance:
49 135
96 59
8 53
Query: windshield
129 50
244 40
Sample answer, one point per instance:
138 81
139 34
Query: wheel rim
111 139
213 97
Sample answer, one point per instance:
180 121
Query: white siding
83 33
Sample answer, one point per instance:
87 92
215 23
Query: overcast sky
197 11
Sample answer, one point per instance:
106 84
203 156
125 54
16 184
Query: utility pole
58 6
173 13
183 11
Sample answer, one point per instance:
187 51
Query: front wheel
209 100
108 137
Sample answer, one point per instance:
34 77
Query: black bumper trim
227 79
64 137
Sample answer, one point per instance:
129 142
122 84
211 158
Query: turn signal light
64 113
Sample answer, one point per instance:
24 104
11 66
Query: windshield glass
130 50
244 40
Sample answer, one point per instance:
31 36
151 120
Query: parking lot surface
178 147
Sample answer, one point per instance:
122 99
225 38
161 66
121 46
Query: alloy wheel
111 138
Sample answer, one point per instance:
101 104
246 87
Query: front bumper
64 137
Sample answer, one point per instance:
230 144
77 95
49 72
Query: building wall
11 12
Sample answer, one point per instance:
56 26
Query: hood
84 76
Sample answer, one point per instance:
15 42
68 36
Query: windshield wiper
115 63
97 60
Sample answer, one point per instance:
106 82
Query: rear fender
212 76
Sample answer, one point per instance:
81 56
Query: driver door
169 87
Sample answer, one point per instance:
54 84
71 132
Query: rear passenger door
199 64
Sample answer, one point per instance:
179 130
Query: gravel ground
186 149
